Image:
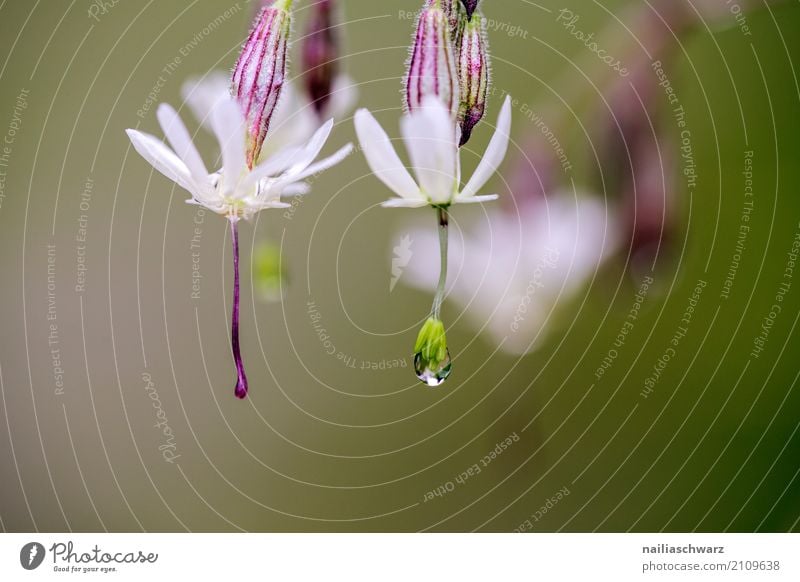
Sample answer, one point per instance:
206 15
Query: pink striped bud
432 66
319 54
473 75
470 6
260 71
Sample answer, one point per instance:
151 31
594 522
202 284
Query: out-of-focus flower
432 67
515 269
294 120
319 53
473 75
269 275
243 186
432 144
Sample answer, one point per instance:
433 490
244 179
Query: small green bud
432 360
431 341
268 272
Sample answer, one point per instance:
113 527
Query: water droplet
433 376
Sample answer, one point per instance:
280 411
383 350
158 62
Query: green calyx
432 342
283 5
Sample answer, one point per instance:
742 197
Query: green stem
443 221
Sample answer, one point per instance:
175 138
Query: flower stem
443 221
241 380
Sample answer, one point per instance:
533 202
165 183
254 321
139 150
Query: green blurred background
320 445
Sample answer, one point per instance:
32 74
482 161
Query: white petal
430 136
344 95
312 148
228 123
293 123
470 199
405 203
495 152
321 165
181 141
274 166
381 156
162 158
296 189
203 93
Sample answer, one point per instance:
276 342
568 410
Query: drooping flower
434 127
431 140
245 184
432 66
473 75
235 191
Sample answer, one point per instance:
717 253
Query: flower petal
405 203
162 159
297 189
312 148
228 124
382 158
180 140
274 166
321 165
495 152
470 199
201 94
293 123
430 136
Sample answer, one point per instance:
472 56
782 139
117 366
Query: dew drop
429 375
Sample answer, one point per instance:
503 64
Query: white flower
295 119
431 139
235 191
513 271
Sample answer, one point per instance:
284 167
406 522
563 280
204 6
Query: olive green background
320 446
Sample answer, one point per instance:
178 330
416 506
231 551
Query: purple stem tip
241 380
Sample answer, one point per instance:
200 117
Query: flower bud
473 75
470 6
432 67
319 53
432 359
269 273
454 12
260 71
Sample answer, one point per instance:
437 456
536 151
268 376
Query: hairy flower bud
319 53
260 71
470 6
454 12
432 67
473 75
